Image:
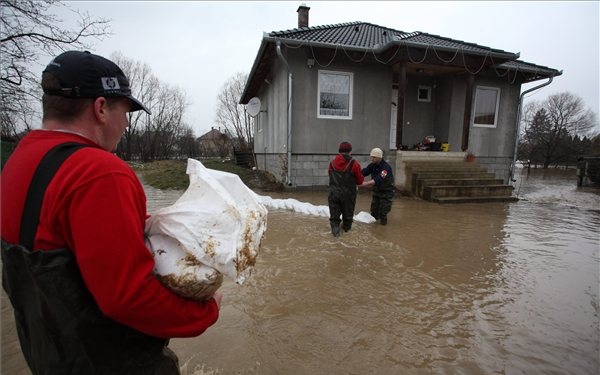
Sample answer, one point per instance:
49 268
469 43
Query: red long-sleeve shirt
96 206
339 163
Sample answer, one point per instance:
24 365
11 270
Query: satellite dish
253 106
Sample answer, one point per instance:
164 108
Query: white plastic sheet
215 227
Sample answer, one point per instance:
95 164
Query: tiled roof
353 34
362 35
385 42
530 72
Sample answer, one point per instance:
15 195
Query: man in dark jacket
344 176
382 180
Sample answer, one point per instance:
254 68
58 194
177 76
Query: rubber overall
342 198
60 327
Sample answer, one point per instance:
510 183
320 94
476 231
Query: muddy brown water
495 288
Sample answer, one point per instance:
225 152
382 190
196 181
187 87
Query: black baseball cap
82 74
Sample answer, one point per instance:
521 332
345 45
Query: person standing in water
344 177
382 181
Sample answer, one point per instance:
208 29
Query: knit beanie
376 152
345 147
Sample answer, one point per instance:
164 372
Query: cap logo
110 83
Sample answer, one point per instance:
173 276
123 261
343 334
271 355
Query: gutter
289 116
378 48
518 130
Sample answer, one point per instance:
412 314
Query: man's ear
100 107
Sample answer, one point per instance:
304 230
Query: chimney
303 15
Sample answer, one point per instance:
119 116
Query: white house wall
494 147
315 141
419 117
497 141
270 136
370 123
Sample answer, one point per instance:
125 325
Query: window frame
428 89
498 91
350 75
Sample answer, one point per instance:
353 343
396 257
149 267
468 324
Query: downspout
289 116
518 130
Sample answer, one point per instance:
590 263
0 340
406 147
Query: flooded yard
494 288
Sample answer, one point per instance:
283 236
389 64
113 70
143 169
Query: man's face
375 160
116 122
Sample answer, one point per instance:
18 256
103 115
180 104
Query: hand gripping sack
214 228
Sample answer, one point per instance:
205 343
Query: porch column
467 117
400 107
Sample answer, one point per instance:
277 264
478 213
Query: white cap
376 152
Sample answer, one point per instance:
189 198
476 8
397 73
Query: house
379 87
215 143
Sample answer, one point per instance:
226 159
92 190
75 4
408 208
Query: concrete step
431 192
449 174
422 183
438 175
456 182
443 166
474 199
445 169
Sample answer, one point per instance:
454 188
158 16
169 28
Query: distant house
379 87
215 143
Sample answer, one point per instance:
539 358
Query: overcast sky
198 45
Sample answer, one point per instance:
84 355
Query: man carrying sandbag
80 278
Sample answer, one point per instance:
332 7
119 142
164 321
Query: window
335 95
424 94
258 122
487 100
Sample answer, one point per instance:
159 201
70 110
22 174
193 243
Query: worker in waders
344 177
382 181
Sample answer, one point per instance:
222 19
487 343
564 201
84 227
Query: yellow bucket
445 147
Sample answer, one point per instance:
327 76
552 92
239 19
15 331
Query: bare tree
144 86
30 31
156 136
187 145
167 125
552 126
232 115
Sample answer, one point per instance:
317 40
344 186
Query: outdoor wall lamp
310 63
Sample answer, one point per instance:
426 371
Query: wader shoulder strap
37 187
349 166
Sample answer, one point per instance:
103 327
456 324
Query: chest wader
342 198
381 203
60 327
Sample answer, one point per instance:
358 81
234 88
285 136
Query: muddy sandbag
214 228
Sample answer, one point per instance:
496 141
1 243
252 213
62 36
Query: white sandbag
308 208
215 227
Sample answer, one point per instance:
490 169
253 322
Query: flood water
494 288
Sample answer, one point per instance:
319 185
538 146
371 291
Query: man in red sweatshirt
344 177
85 298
